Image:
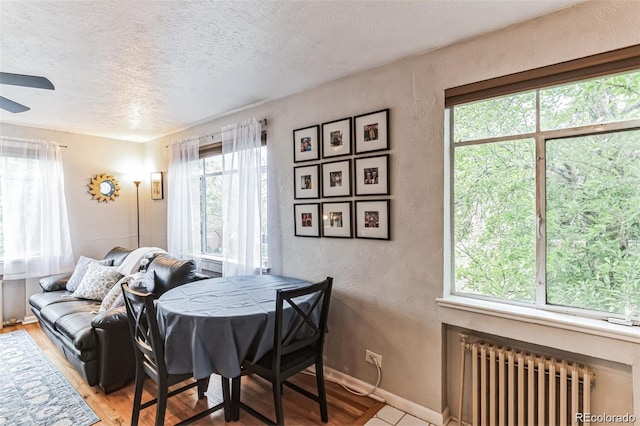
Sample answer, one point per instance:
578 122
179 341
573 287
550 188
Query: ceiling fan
25 81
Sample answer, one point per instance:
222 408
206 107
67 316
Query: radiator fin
511 387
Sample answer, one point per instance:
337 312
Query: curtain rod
262 122
12 138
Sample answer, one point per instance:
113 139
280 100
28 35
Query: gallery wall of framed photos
346 170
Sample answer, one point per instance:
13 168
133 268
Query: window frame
453 298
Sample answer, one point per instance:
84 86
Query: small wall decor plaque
157 186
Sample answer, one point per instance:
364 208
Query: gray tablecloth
211 326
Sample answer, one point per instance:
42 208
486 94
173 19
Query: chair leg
322 394
277 402
203 385
137 397
228 403
235 397
163 392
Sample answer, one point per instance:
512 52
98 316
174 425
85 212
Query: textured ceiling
137 70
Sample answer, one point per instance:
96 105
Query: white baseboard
30 319
400 403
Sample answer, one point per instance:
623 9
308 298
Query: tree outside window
546 191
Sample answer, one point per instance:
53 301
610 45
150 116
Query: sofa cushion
76 328
171 272
118 254
97 282
54 311
40 300
81 270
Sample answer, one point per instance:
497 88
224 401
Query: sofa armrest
55 282
111 319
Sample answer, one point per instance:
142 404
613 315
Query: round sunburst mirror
104 187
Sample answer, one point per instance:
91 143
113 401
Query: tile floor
389 415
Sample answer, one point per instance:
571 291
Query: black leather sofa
98 345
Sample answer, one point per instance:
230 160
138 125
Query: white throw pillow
81 270
97 282
138 281
114 298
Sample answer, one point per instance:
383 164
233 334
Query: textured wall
385 290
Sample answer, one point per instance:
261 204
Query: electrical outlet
370 356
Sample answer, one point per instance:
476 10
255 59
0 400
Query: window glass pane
213 212
213 164
505 116
593 222
494 190
602 100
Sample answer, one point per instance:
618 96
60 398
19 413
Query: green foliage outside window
590 179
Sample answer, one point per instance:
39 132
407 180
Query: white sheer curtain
241 199
36 236
183 198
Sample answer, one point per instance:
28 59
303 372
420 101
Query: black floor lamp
137 183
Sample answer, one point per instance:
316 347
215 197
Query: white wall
385 291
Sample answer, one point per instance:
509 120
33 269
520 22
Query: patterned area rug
33 391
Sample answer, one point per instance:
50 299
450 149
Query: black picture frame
371 131
336 179
371 175
306 144
336 138
306 219
306 181
337 219
373 219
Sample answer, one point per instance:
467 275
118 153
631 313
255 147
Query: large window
546 196
211 204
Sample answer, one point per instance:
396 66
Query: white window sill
538 316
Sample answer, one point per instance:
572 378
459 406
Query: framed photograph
372 175
336 220
157 190
306 144
336 179
372 219
336 138
306 180
307 220
372 131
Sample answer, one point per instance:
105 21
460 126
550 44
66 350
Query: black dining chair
298 343
150 361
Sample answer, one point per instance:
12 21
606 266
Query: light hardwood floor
115 408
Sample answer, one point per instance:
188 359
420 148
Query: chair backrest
301 323
148 345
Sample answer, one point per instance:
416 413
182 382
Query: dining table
212 326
